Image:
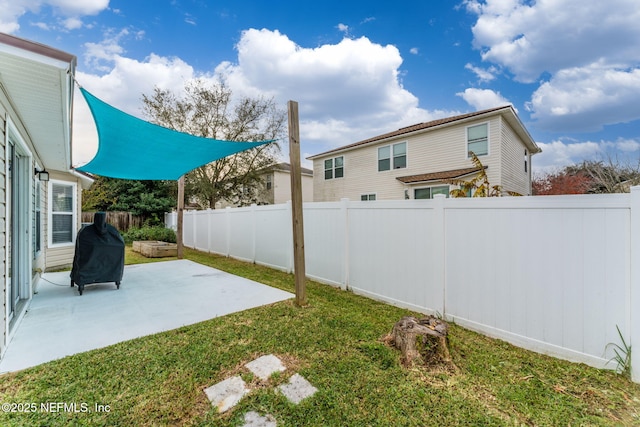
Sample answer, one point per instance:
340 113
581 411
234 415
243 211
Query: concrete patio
152 298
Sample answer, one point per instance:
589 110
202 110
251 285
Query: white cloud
414 50
68 12
72 23
190 19
590 52
42 25
123 87
75 7
483 99
530 38
484 75
587 98
560 153
100 56
346 92
343 28
563 152
11 11
627 145
355 81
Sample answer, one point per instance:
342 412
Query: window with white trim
392 157
368 197
429 192
62 215
334 168
478 140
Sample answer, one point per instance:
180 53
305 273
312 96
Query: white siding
514 176
282 187
435 150
39 258
58 257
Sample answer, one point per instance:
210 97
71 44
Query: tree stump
421 341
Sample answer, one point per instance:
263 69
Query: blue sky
361 68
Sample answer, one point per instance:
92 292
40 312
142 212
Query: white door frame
18 202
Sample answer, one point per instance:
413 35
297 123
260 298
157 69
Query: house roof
506 111
438 176
86 179
286 167
38 82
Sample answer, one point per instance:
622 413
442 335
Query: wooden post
179 225
296 205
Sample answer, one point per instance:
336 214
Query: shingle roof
286 167
414 128
438 176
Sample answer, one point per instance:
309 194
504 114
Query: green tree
208 110
149 199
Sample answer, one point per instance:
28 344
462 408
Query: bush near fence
122 221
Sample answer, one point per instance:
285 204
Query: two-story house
273 187
277 184
416 162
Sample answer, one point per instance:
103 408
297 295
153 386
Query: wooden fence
123 221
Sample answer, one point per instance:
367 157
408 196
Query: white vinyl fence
553 274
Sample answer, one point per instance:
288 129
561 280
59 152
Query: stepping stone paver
254 419
297 389
226 394
265 366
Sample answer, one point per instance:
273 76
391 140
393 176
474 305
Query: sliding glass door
18 259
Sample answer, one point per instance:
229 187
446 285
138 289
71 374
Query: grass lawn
335 343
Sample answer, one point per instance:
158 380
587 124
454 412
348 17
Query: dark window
429 192
334 168
392 155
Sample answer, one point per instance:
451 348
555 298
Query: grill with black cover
99 254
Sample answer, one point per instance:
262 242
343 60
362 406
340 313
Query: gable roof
506 111
286 167
438 176
38 82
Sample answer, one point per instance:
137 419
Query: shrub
150 233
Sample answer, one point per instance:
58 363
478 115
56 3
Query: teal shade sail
131 148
